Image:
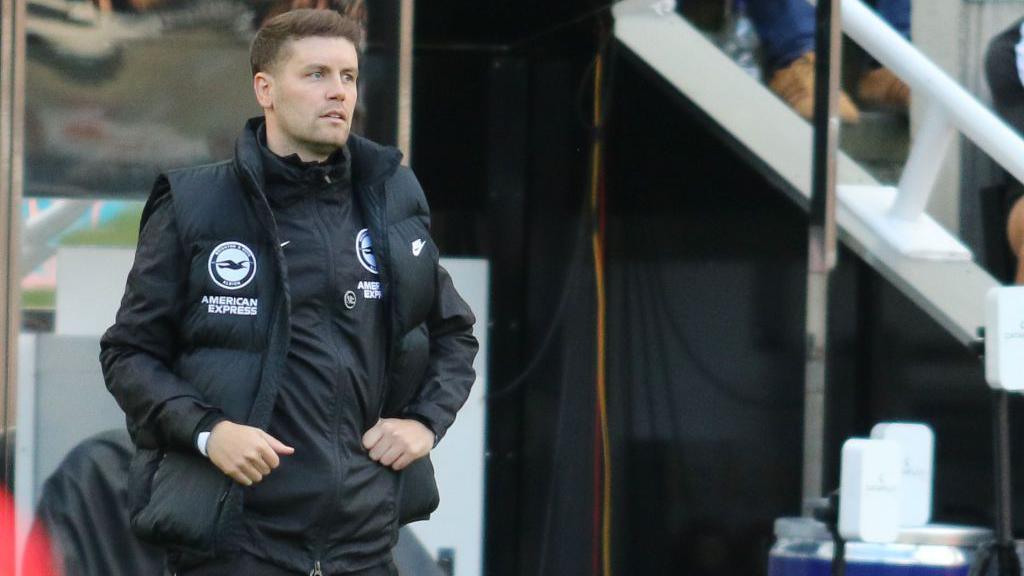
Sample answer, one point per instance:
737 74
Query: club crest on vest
232 265
364 251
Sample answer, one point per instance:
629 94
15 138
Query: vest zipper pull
316 570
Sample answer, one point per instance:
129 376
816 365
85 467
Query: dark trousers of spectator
245 565
1004 70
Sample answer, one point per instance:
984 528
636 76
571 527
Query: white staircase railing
899 214
949 105
758 125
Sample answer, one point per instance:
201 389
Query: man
288 349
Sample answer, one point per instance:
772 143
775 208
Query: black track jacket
205 328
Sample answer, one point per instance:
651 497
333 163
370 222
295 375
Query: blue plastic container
803 547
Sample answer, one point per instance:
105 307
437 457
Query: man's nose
336 89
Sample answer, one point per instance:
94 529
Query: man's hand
396 442
244 453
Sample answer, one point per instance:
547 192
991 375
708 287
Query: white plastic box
1004 338
918 445
870 483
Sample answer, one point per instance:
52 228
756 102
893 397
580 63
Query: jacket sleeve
137 352
453 347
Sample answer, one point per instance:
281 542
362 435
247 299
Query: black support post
507 117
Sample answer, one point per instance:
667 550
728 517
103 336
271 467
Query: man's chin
327 146
334 141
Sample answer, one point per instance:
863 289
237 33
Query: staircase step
880 136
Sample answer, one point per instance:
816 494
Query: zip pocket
188 496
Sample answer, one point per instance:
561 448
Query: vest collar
289 179
370 162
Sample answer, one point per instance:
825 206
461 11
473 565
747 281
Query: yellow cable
606 531
606 496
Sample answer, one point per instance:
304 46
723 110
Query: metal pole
1001 439
7 274
1005 549
12 114
821 252
405 56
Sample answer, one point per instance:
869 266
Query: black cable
838 552
1009 563
565 24
1003 555
556 457
684 485
560 418
728 389
571 278
826 511
982 561
838 555
644 392
584 231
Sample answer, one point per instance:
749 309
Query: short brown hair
276 33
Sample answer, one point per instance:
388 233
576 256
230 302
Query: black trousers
245 565
1004 80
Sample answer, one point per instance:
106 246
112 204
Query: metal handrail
949 108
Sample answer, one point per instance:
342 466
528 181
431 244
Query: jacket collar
370 162
289 179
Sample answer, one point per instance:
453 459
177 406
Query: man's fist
244 453
397 443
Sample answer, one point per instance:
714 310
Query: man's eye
316 75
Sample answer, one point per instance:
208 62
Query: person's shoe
795 85
882 89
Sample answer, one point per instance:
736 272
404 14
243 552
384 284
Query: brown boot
795 85
882 89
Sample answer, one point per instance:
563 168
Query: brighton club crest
364 251
232 265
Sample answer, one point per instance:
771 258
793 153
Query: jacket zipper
335 423
389 303
389 316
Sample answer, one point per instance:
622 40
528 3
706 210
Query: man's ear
262 85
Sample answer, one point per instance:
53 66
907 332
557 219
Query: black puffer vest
236 358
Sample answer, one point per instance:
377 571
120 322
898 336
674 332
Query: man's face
309 97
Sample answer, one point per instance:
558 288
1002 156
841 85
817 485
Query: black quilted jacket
168 360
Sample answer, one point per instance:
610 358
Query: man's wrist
201 441
426 424
205 428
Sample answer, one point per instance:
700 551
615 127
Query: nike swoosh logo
417 246
285 243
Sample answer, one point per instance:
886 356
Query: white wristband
201 441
